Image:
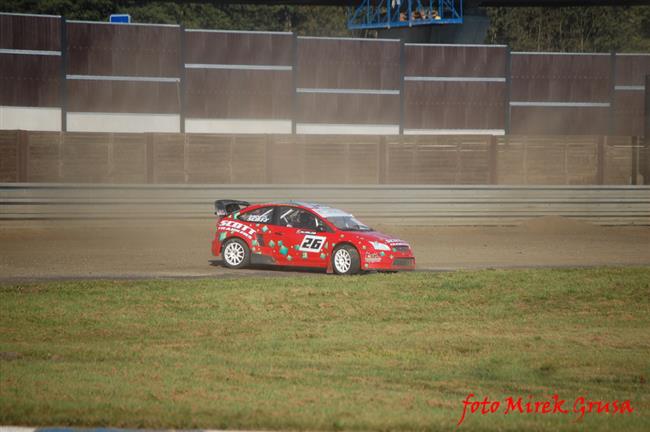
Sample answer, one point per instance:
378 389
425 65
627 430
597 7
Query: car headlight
380 246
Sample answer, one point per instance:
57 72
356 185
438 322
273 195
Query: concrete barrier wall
164 78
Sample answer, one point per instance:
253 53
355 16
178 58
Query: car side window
260 215
293 217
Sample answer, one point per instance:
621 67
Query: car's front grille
401 248
403 262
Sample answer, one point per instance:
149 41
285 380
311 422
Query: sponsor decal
312 243
372 258
232 226
259 218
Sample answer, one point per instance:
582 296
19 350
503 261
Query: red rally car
304 235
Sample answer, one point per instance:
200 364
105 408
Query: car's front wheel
345 260
236 254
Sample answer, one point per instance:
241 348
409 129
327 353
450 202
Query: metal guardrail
397 204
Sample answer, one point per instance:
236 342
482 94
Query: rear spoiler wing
225 207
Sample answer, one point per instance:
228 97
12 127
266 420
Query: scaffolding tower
383 14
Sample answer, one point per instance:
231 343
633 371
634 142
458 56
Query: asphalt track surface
57 250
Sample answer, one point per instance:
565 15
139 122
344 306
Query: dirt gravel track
122 249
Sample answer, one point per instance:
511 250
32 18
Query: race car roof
321 209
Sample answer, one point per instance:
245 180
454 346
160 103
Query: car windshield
348 223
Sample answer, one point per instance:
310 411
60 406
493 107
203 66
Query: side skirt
262 259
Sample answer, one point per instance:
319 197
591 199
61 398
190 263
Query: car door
316 243
282 237
260 220
298 238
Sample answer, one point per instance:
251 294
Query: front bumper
389 261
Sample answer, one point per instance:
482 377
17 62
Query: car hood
376 236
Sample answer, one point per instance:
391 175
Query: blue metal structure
120 18
381 14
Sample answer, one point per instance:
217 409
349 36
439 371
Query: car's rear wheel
236 254
345 260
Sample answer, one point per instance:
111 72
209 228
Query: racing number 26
312 243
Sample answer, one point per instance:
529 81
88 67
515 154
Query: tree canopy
578 29
592 29
313 20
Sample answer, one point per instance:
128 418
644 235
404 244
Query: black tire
235 253
347 255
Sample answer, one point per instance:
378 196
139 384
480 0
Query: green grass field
374 352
